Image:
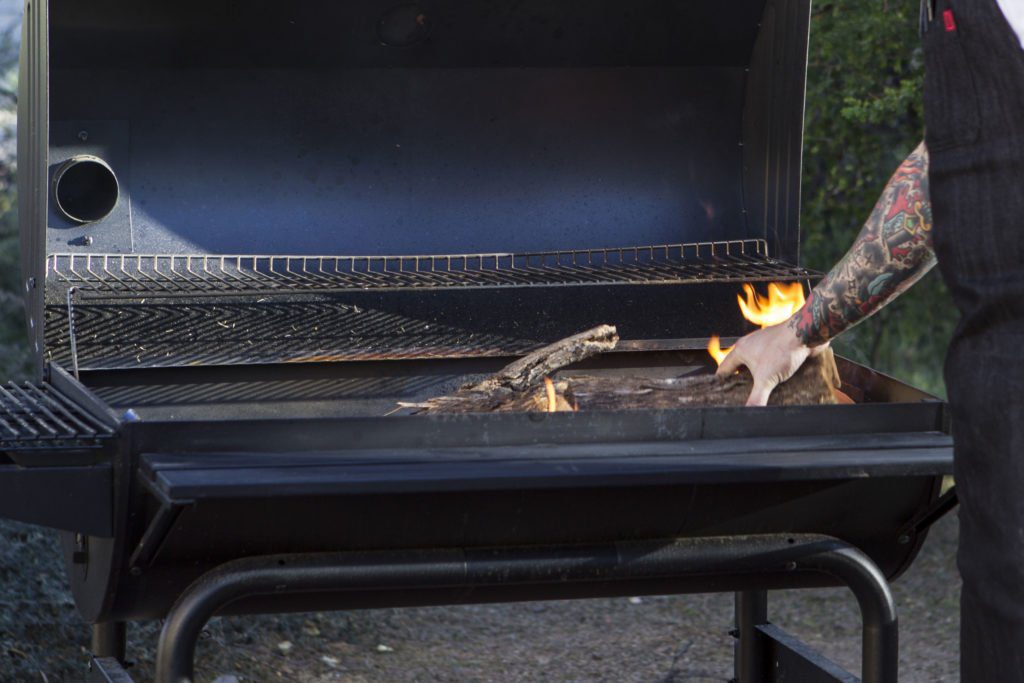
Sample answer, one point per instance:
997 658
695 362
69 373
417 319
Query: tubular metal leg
751 655
738 563
880 635
109 639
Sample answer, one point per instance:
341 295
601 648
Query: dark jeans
974 108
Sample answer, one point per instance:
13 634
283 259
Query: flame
549 386
716 350
783 301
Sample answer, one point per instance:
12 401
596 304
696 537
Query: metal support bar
931 514
792 660
109 639
751 657
155 534
107 670
737 563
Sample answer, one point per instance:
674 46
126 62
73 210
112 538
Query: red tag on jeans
947 18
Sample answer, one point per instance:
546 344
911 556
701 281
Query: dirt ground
648 640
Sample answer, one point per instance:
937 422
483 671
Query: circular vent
85 189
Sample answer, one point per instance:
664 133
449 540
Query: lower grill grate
112 335
34 416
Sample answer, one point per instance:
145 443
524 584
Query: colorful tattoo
892 251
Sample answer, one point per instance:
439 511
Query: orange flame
716 350
783 301
549 386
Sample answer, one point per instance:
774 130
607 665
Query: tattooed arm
892 252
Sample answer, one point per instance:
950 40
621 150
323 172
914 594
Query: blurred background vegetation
863 116
13 340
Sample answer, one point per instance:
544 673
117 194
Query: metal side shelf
55 455
37 417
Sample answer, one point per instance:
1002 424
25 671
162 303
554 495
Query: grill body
294 216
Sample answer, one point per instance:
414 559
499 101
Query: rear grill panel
36 416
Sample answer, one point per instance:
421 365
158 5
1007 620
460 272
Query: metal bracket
71 332
931 514
107 670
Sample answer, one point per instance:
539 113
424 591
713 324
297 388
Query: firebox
250 231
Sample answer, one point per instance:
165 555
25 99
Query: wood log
519 387
531 369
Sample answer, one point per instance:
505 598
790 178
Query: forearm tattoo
893 250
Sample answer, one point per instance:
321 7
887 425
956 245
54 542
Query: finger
730 364
760 393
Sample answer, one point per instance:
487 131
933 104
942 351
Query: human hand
772 355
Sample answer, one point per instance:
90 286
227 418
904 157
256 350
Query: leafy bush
864 115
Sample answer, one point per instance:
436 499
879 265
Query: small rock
311 629
226 678
384 648
330 661
636 601
285 646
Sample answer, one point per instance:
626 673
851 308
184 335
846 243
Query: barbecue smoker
251 229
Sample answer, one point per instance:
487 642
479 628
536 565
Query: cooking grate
741 260
117 334
34 416
107 311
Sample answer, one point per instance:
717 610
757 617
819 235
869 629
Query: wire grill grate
36 416
742 260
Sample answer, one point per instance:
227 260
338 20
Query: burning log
521 386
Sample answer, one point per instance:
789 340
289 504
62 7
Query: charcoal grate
36 416
112 334
741 260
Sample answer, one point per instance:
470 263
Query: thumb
730 364
760 393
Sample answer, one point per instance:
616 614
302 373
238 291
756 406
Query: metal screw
83 135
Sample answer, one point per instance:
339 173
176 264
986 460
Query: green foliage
864 115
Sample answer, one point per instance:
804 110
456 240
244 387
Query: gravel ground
660 639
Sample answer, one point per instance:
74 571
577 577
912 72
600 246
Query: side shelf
55 456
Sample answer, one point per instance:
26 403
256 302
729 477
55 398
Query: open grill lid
483 177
